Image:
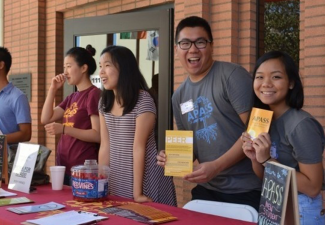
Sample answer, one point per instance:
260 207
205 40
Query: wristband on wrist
266 160
63 129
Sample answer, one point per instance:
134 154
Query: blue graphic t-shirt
217 100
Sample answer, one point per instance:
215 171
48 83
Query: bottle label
88 188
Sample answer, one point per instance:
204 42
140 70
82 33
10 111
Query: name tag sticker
187 106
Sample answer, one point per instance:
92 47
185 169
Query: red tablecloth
45 194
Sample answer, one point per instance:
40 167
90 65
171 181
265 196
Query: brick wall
24 36
33 32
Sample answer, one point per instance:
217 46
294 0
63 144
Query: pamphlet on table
14 201
68 218
36 208
4 193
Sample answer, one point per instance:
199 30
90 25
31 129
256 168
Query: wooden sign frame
3 160
279 200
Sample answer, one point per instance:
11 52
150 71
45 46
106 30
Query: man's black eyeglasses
186 44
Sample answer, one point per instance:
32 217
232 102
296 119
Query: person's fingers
258 141
160 158
196 178
60 78
247 145
161 163
245 138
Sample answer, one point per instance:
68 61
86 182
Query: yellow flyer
259 121
179 152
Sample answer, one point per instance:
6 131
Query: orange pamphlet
259 121
179 152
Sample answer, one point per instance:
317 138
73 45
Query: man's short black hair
193 21
5 57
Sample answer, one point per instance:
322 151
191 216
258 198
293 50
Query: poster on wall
23 82
153 45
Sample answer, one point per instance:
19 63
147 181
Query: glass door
149 35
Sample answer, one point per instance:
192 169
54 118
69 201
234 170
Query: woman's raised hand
58 81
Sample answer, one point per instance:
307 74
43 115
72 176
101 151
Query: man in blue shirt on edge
15 118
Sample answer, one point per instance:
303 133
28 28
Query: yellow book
259 121
179 153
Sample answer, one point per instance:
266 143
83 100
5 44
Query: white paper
68 218
4 193
1 132
23 168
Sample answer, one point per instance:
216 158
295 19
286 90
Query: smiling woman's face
109 74
271 84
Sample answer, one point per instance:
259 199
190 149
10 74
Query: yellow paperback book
259 121
179 152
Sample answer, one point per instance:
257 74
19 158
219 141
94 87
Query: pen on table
94 214
90 223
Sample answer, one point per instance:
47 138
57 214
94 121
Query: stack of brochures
141 213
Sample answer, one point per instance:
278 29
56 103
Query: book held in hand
179 152
259 121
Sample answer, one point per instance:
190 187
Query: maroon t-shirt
78 107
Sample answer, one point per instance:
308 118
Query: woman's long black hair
130 80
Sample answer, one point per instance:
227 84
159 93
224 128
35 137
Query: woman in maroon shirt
79 129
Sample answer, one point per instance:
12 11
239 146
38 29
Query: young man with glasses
214 101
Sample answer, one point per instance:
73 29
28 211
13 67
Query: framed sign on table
23 168
279 201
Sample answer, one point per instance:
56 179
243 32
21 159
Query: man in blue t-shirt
15 118
214 102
